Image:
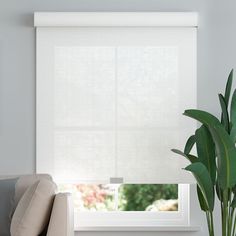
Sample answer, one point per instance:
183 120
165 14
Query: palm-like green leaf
203 117
189 157
226 153
204 182
233 133
233 203
225 115
219 192
215 141
233 108
201 200
228 87
206 150
189 144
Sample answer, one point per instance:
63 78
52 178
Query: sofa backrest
24 182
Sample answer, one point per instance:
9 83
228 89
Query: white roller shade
110 101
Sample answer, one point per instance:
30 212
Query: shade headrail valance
119 19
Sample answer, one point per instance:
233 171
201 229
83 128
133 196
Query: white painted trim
140 228
137 220
96 19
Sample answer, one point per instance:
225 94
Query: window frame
132 219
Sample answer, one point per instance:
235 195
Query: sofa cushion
25 181
33 210
7 195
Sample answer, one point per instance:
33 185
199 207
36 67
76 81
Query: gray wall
216 55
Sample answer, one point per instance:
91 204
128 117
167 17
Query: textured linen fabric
25 181
33 210
62 216
7 196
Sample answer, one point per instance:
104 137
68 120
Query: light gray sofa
61 221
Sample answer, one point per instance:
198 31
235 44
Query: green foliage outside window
137 197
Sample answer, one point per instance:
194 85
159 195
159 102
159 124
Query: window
111 88
99 206
123 197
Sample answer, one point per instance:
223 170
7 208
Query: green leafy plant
137 197
214 166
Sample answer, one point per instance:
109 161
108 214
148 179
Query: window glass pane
91 197
148 197
126 197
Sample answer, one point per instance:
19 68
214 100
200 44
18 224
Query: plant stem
234 222
225 213
222 217
231 214
210 223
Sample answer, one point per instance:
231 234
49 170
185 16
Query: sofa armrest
62 217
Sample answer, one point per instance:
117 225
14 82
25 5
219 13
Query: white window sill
140 228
